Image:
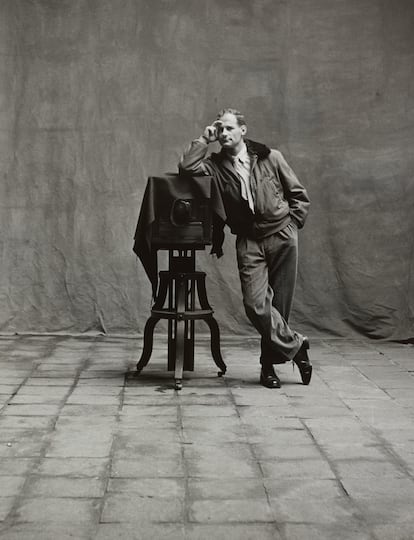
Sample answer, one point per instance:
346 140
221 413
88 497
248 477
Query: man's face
229 132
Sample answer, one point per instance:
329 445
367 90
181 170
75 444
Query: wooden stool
182 287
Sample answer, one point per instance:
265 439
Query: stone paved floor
88 450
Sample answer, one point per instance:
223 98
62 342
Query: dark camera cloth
160 193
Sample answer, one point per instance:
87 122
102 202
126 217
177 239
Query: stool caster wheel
220 373
139 370
178 384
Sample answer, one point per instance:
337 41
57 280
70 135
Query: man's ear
244 130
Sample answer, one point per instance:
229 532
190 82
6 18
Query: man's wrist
204 139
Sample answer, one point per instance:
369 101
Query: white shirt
241 164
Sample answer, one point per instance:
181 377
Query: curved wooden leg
215 345
148 341
180 335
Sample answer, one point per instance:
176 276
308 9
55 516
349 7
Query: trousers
267 270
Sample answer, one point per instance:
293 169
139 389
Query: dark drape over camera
97 95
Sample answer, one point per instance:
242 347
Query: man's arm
294 191
193 158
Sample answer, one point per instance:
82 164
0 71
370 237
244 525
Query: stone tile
320 411
158 488
147 467
222 467
311 511
91 390
268 451
6 504
276 415
401 393
65 487
214 435
382 487
8 389
132 508
131 444
77 398
365 468
207 410
351 431
258 396
15 466
225 488
145 531
25 422
15 380
47 531
49 381
3 401
239 450
354 451
11 485
150 410
57 510
162 436
80 443
296 489
386 510
146 422
398 435
31 410
159 400
233 531
279 438
297 468
382 422
341 530
15 374
396 531
26 445
55 392
31 399
96 381
212 399
72 467
100 424
89 410
230 511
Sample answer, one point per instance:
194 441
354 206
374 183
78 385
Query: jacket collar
253 148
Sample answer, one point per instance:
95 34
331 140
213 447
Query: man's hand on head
210 134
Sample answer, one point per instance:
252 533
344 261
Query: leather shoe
268 377
301 359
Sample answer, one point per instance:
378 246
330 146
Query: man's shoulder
275 154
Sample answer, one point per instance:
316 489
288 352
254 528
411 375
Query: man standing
265 205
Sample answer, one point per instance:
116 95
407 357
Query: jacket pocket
269 198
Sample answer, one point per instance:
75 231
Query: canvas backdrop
96 95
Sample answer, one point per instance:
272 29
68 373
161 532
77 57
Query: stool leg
215 345
148 341
180 334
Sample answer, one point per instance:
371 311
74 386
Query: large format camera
187 223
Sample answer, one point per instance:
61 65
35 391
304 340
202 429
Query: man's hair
240 117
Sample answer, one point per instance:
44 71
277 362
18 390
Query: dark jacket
278 195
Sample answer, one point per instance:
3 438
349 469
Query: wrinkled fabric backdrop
96 95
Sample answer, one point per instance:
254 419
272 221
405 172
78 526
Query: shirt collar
242 156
